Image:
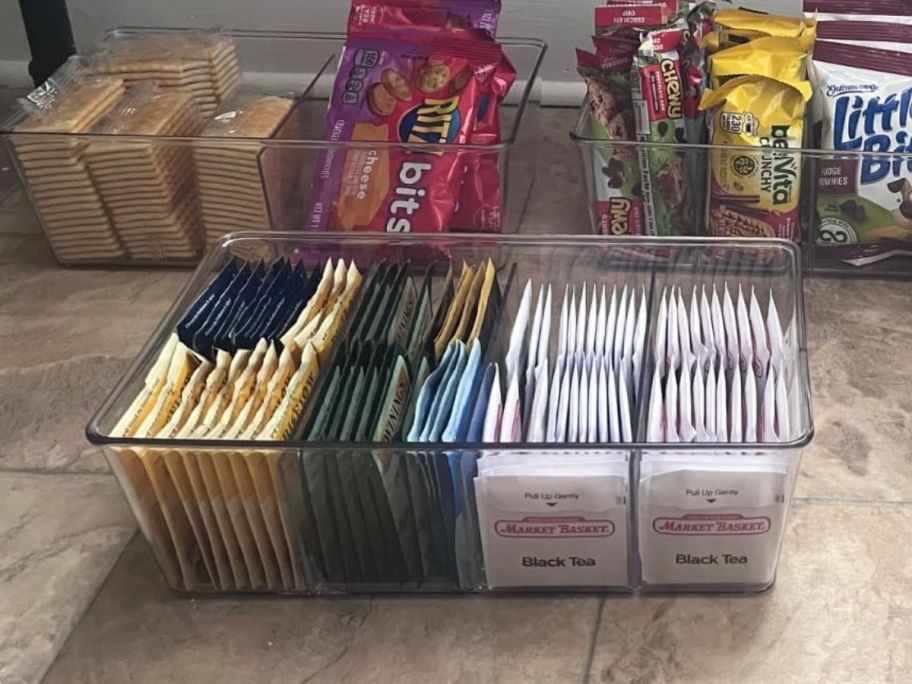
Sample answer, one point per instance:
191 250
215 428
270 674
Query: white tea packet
555 526
711 523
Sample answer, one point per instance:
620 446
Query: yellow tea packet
483 299
443 338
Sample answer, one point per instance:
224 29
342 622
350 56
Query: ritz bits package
758 100
410 85
864 204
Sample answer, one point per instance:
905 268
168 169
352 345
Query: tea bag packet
554 400
570 333
784 427
447 330
735 409
611 326
744 332
511 429
750 408
427 394
417 331
712 401
710 521
698 388
562 426
614 408
198 312
490 433
532 356
688 430
603 425
730 326
593 366
554 525
760 336
442 406
684 336
777 344
655 417
671 408
620 330
707 325
767 421
601 323
639 340
718 326
488 307
518 346
315 303
537 423
674 338
581 321
722 406
457 427
696 329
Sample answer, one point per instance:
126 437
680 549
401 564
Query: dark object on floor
50 37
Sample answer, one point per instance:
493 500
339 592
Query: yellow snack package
773 56
750 25
756 194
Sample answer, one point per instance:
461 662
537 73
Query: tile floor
82 601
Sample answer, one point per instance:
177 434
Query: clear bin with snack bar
468 413
122 172
841 231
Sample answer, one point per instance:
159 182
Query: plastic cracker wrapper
864 204
609 116
410 87
658 97
756 194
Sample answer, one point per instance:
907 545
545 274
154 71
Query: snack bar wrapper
619 203
864 204
412 87
658 96
482 15
756 194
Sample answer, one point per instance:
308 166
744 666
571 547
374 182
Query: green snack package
658 97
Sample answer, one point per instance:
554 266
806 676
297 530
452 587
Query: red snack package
401 87
481 15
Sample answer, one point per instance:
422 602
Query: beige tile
557 203
45 409
860 364
138 631
59 537
57 314
841 611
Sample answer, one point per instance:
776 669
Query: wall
564 24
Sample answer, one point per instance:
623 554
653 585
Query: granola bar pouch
756 193
618 206
415 87
864 203
658 99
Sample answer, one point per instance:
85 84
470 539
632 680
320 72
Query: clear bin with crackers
119 172
358 446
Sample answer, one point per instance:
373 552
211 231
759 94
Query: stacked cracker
148 185
77 223
204 65
228 176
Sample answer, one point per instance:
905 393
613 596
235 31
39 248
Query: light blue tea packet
426 396
446 395
464 402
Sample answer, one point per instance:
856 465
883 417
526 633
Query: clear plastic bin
274 502
283 63
824 190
